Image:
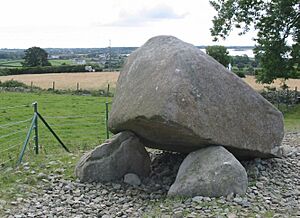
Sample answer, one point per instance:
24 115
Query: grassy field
12 63
78 120
18 63
60 62
292 119
92 81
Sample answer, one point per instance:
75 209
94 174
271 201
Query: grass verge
292 119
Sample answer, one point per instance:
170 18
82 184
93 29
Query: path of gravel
274 191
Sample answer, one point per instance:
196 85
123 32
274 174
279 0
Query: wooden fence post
296 95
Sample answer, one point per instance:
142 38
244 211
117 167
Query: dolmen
172 96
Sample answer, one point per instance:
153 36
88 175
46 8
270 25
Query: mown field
65 81
94 81
291 83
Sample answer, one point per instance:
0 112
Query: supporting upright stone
123 154
210 172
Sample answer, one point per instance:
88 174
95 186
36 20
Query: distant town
106 58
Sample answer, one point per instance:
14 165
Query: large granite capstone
175 97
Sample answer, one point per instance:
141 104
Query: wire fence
13 127
78 131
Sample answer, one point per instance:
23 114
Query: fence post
106 112
77 87
107 93
51 130
278 100
296 95
287 99
31 86
106 120
36 135
27 138
53 85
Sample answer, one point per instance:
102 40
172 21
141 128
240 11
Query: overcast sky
93 23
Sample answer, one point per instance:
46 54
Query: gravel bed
274 191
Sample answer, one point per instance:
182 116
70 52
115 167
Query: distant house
54 57
79 61
89 68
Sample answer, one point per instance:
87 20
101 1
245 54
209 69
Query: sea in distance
239 52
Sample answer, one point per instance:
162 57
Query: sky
100 23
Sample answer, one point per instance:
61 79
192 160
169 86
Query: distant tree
241 61
250 70
219 53
278 32
36 56
240 73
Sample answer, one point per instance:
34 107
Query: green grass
60 62
10 63
18 63
79 134
78 120
292 119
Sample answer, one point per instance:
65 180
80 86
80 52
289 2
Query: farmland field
93 81
60 62
292 83
64 81
18 63
78 120
12 63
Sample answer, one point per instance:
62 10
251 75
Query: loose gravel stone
132 179
274 191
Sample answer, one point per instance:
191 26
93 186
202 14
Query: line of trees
36 62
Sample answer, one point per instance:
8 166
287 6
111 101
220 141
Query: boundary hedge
46 69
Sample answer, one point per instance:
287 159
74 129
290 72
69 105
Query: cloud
161 12
145 16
